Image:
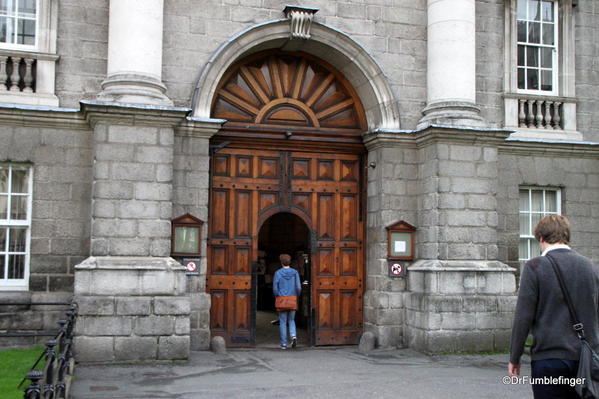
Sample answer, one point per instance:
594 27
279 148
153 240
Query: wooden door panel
349 223
218 257
219 222
325 309
241 311
241 260
347 309
243 212
218 311
326 217
349 261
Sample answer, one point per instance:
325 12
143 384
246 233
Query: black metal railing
52 381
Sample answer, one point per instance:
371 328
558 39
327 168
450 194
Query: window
537 45
18 22
540 70
535 202
15 220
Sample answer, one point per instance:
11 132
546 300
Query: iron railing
53 381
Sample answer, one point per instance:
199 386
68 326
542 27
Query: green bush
14 365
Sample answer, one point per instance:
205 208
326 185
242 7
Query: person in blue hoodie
287 283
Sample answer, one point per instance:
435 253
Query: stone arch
329 44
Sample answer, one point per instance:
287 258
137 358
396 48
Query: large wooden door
292 143
248 186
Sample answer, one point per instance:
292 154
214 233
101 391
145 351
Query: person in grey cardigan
542 310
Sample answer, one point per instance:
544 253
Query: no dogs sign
192 266
396 269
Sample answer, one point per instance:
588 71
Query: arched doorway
282 233
292 144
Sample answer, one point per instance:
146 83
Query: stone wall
131 310
62 174
576 173
460 306
132 207
392 196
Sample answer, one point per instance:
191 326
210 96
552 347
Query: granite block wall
578 179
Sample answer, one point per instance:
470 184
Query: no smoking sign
192 266
396 269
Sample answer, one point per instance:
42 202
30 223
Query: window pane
534 32
2 257
27 8
548 36
525 224
547 10
186 239
523 249
532 79
546 57
524 207
537 201
521 51
3 180
534 10
521 78
6 29
7 6
551 201
532 56
546 80
535 248
18 207
3 207
26 33
522 31
16 266
3 240
19 181
17 240
522 9
535 219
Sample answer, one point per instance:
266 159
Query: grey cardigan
541 308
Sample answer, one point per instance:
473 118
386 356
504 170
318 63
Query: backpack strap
576 324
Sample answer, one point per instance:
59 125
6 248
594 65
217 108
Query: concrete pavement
339 372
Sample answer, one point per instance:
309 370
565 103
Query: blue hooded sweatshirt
286 282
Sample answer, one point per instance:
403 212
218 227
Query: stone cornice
550 148
42 117
199 127
133 114
434 133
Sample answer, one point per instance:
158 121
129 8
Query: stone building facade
466 119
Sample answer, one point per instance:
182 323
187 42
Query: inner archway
281 233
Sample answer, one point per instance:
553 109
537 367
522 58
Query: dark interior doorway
282 233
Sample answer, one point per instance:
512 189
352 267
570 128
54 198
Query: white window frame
17 284
555 52
26 47
558 210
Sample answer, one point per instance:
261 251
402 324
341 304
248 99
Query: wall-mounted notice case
400 241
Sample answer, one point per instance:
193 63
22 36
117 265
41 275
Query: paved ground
306 373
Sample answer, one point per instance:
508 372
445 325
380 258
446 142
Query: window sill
20 287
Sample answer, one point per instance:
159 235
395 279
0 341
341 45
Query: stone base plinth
131 309
460 306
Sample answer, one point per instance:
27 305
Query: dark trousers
554 368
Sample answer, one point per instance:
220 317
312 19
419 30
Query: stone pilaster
191 181
134 71
451 62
